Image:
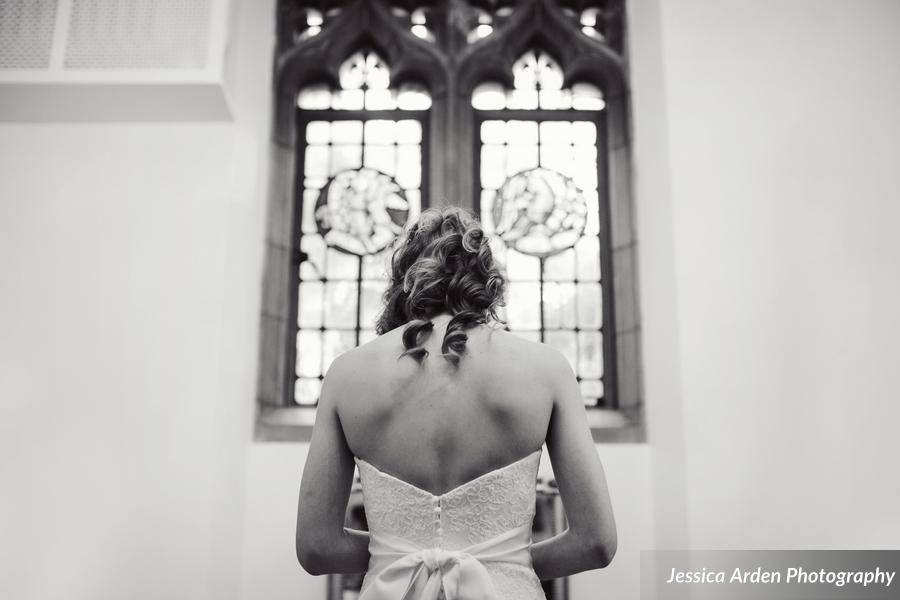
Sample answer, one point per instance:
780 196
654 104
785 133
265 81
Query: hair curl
443 264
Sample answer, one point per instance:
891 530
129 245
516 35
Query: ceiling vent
113 60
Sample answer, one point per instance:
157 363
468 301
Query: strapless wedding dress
471 543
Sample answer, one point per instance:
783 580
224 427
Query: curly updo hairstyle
442 264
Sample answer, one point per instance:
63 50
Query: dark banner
770 575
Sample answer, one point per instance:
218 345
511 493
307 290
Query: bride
445 415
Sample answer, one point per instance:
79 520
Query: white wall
118 446
785 146
131 261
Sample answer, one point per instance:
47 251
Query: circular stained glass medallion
361 211
539 212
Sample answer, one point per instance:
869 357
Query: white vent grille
138 34
26 33
114 60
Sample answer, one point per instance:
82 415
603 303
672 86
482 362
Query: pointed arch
318 59
540 24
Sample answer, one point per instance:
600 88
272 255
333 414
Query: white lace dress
470 543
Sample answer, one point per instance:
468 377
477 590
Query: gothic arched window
517 111
539 199
360 153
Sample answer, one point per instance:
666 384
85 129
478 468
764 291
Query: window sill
294 424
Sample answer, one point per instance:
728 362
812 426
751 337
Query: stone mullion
623 243
275 308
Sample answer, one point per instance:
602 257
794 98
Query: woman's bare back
437 425
441 421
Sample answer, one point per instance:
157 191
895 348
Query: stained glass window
540 158
361 164
518 111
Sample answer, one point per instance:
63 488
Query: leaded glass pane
309 355
584 167
382 130
345 157
560 267
348 100
381 158
318 132
590 351
522 266
584 133
408 132
559 305
493 166
306 391
340 304
375 266
314 98
413 96
522 133
315 163
522 99
347 132
493 132
409 165
586 96
555 99
556 133
489 96
314 247
523 305
592 227
558 157
537 70
370 299
364 70
380 100
311 298
589 306
588 252
341 265
521 158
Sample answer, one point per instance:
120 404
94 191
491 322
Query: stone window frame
451 68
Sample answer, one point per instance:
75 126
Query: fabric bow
406 571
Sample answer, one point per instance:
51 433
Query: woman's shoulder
490 348
369 357
513 345
491 340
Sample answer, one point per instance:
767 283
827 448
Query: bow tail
468 580
396 582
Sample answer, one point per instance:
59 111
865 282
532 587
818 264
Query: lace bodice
477 511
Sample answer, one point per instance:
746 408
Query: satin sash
408 572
